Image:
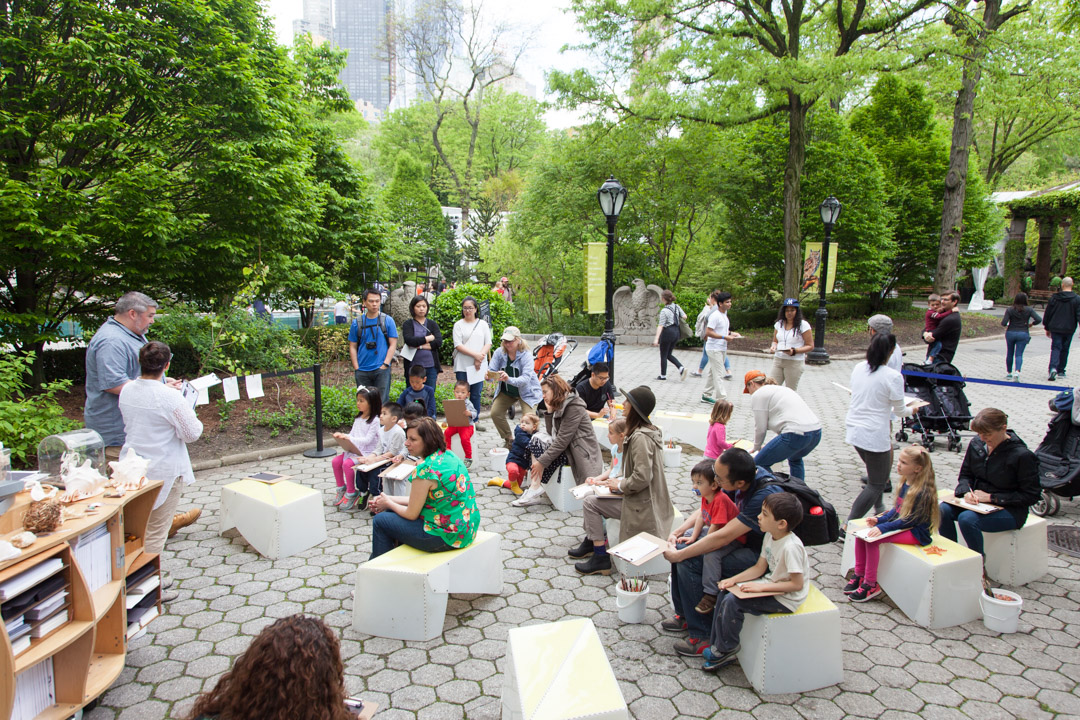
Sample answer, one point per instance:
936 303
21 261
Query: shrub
994 288
328 343
447 311
339 402
26 419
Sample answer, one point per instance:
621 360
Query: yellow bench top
277 494
940 551
815 602
409 559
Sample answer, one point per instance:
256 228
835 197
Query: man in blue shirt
746 484
372 342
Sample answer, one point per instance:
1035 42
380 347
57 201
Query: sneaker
675 625
468 463
707 399
348 501
682 373
715 661
1062 375
595 565
695 373
361 502
1016 376
865 592
727 376
533 496
661 377
1008 376
691 647
705 607
582 551
853 584
1053 375
339 496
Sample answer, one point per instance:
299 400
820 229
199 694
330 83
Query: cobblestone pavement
892 668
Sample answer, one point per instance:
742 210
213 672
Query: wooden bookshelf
87 650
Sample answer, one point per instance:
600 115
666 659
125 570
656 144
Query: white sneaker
533 495
682 373
1008 376
1016 376
695 373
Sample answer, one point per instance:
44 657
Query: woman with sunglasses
472 342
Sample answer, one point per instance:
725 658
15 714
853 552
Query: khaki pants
112 452
594 509
787 371
715 388
160 521
499 407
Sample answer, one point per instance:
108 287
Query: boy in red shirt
716 511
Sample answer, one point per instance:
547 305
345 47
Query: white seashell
23 539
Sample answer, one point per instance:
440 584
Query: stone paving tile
893 669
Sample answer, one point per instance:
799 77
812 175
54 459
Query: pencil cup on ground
1001 613
631 603
497 459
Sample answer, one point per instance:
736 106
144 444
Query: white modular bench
278 520
402 594
559 671
600 427
657 566
558 489
937 586
793 652
687 427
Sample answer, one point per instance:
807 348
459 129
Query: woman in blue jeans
1017 321
440 512
780 409
998 469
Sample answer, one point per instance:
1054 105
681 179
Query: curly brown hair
292 669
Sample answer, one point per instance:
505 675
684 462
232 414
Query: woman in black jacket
998 469
422 334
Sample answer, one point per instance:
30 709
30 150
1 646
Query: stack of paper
28 578
35 691
92 551
46 626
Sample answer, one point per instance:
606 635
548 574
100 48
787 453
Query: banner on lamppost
595 277
812 267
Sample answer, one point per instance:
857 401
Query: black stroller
1059 463
948 411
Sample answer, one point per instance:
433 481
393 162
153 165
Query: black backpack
819 525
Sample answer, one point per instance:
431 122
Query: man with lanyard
737 473
112 361
372 342
597 392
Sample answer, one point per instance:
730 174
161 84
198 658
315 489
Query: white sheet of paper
206 381
635 548
473 376
190 394
204 397
231 386
408 352
254 386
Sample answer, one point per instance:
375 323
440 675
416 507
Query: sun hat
642 400
750 376
510 332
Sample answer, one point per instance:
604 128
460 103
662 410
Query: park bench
1040 297
278 520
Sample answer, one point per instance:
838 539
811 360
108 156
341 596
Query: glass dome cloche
71 449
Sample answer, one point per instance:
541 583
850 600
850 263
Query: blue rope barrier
1007 383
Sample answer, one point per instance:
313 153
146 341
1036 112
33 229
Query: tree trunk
1047 231
793 170
1014 256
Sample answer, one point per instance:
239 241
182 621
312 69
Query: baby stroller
603 351
550 352
948 411
1059 460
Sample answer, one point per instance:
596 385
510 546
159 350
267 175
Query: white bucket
673 456
631 605
1001 615
498 459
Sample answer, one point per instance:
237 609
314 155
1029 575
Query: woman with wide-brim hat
640 497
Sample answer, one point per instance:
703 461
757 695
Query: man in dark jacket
948 330
1060 320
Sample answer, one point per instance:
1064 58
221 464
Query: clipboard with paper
639 549
456 414
401 471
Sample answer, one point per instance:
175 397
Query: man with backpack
1060 321
372 342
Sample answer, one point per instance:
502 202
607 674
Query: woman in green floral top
440 512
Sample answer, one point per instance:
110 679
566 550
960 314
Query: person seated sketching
597 392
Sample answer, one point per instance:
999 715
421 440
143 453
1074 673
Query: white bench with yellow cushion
656 566
402 594
600 427
686 427
558 489
793 652
559 671
937 586
278 520
1014 557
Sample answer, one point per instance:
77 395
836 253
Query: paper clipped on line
231 387
254 386
205 382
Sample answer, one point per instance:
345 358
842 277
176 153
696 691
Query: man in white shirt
882 325
341 313
717 334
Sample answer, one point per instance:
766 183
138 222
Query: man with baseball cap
882 325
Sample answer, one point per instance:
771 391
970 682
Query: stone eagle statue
399 303
636 310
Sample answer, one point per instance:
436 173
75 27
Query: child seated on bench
913 519
782 567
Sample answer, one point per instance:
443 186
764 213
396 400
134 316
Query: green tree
147 146
416 214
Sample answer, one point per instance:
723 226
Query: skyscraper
318 22
360 26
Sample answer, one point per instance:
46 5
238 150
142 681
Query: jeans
388 530
369 482
474 389
973 525
933 350
668 337
791 447
878 466
729 615
378 379
686 586
1015 342
1059 350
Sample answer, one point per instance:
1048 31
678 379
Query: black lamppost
612 196
830 212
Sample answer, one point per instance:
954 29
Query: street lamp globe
611 195
830 209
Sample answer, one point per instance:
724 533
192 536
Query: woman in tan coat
639 498
572 433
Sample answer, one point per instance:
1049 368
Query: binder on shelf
35 691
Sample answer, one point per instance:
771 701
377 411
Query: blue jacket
890 520
527 383
519 451
426 395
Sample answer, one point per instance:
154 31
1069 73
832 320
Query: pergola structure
1051 208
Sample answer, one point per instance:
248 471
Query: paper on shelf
231 386
28 578
254 386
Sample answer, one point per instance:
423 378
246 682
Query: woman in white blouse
791 342
159 424
472 342
877 391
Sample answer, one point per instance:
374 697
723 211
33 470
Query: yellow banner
812 267
595 276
